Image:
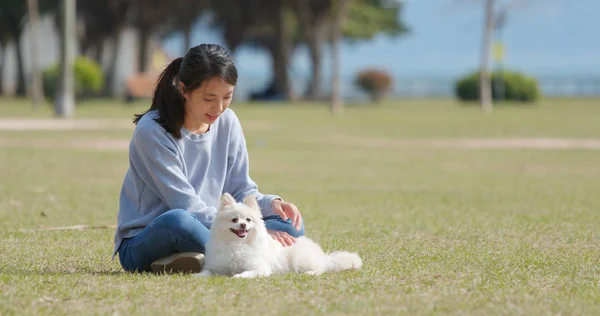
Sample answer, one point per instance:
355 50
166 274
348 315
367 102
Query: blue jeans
178 231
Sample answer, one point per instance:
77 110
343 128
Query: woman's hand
287 210
282 237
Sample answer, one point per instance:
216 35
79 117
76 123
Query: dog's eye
248 220
235 220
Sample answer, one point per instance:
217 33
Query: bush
89 78
376 83
517 87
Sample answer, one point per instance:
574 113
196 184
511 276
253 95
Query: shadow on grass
60 272
76 271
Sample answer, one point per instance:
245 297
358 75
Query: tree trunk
84 45
65 97
21 71
282 55
143 38
111 70
37 86
337 105
485 86
2 58
336 94
100 51
97 51
312 23
187 37
58 22
315 47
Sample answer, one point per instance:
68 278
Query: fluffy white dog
240 246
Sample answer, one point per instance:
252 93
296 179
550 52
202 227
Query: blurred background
374 112
352 50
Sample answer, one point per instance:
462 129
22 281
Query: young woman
186 151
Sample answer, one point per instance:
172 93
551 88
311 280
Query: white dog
240 246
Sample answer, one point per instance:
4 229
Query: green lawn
441 230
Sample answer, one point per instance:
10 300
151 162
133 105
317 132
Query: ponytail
168 100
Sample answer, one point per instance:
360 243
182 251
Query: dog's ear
227 200
250 200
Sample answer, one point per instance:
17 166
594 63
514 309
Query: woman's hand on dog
282 237
287 210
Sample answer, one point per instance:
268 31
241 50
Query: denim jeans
178 231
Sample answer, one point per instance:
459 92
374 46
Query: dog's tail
341 260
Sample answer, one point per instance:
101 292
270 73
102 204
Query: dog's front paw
246 274
312 272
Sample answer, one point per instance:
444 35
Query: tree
280 26
339 21
235 19
65 101
282 49
313 18
275 29
183 16
368 18
95 25
265 24
37 88
355 21
149 18
13 15
364 20
119 10
104 20
485 85
493 20
4 39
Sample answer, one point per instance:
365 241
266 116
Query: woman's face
208 101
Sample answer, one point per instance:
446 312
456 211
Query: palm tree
13 16
37 88
4 40
65 97
104 20
313 20
485 86
341 13
282 48
183 16
150 16
119 10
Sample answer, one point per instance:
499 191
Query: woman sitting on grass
186 151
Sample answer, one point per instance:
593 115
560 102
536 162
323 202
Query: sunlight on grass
441 230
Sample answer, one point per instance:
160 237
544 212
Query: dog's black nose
243 225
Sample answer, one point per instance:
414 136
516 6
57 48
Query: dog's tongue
240 233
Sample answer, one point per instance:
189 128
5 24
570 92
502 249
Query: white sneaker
182 262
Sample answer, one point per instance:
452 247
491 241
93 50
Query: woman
186 151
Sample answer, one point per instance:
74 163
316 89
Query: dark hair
199 64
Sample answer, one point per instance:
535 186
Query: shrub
517 87
89 78
376 83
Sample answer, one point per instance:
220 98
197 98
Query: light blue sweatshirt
190 173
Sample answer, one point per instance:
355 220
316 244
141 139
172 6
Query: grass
441 230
